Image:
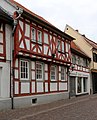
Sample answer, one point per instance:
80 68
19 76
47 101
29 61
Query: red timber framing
33 43
2 43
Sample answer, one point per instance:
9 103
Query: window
46 38
59 45
79 85
24 70
63 73
53 72
39 37
84 84
62 46
94 57
67 47
73 59
33 34
39 71
1 27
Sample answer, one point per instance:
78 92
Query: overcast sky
79 14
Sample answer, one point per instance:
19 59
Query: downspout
16 16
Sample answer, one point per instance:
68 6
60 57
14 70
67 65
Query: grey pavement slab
80 108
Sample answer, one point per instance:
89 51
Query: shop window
79 85
84 84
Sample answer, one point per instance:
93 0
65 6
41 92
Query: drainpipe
16 16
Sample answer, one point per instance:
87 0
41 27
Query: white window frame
25 72
55 73
47 39
33 34
40 79
64 72
39 36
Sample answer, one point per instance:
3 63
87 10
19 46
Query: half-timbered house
40 61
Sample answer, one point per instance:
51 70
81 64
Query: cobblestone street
80 108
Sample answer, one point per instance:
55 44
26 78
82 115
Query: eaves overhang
4 17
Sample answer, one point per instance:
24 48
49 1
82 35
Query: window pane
24 69
39 71
53 73
85 84
62 46
79 86
45 38
33 34
39 36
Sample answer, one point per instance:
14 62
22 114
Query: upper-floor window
67 47
33 34
46 38
39 36
39 71
62 46
63 73
94 57
73 59
53 73
24 70
1 27
59 45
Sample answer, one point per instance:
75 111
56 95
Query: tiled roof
46 23
28 11
77 49
92 43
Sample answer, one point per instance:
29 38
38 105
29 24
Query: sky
79 14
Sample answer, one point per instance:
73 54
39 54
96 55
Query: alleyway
80 108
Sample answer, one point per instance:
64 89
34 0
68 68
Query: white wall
5 71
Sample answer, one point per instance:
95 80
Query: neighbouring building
90 49
79 72
5 58
35 57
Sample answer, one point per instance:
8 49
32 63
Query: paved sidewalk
53 111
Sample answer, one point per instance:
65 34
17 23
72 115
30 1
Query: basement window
34 100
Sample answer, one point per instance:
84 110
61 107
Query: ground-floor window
85 84
53 72
39 71
24 70
81 84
